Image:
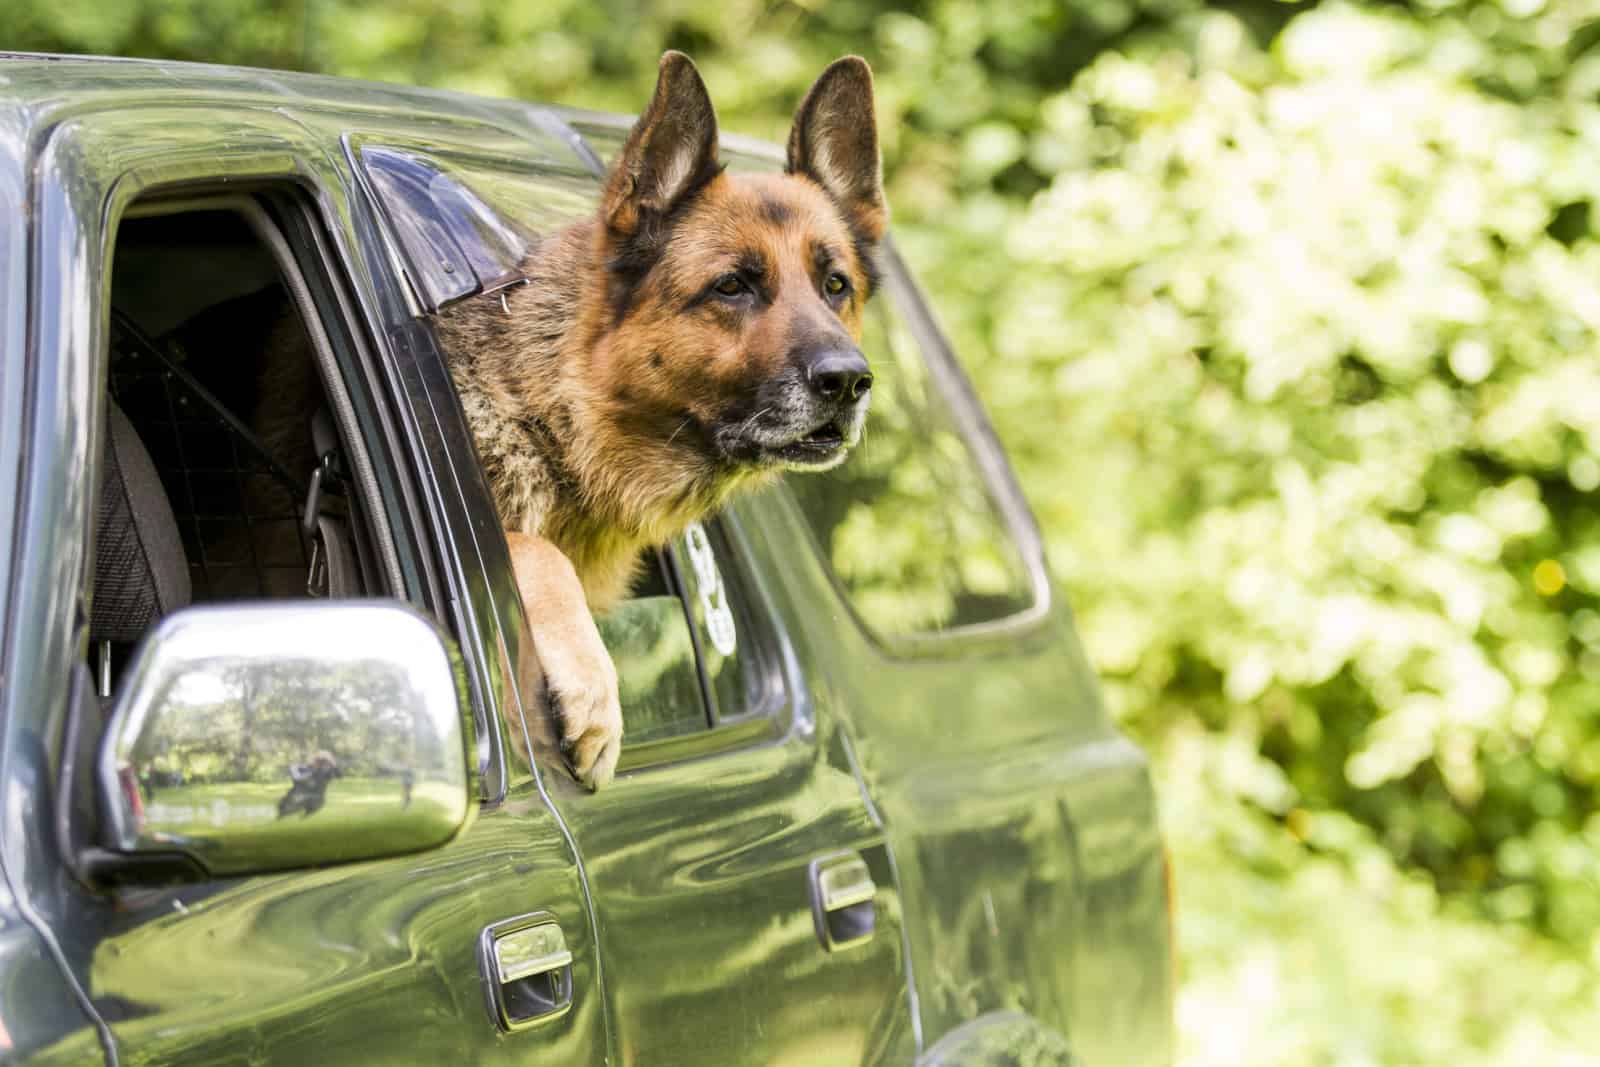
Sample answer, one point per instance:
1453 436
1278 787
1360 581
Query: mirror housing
264 736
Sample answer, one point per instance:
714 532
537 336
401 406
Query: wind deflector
452 244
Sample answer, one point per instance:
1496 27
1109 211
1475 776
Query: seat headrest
140 571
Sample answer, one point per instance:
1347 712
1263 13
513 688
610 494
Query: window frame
994 471
368 379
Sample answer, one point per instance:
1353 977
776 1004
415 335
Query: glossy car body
1010 831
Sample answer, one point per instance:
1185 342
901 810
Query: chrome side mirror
265 736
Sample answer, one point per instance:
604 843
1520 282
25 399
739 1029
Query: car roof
37 90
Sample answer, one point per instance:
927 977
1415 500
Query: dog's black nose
839 375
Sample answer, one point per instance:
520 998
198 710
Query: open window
692 656
232 464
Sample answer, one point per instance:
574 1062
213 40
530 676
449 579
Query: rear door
1023 821
745 897
370 962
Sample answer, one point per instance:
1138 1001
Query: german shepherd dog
697 336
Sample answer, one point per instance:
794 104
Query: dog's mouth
819 446
790 430
825 438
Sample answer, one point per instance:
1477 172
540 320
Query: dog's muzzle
806 418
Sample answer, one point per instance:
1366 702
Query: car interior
229 470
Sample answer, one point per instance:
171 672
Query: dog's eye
835 284
729 285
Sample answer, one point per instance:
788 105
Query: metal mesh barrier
238 508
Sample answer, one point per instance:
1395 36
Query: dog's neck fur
586 472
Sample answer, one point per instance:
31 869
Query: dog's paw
581 690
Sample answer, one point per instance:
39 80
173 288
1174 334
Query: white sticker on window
713 596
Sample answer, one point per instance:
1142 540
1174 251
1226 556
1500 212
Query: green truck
268 790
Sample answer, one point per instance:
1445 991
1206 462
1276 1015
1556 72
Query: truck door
387 960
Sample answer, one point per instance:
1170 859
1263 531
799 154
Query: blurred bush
1289 316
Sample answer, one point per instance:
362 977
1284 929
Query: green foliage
1295 351
1288 315
1335 956
1322 387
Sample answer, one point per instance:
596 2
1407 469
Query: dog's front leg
580 679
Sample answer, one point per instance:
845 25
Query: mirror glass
263 736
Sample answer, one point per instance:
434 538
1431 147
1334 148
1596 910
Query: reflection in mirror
263 736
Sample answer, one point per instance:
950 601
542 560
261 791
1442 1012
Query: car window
908 524
228 472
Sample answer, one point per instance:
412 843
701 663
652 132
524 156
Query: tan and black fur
696 336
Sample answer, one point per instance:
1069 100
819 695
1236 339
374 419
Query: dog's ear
671 153
834 142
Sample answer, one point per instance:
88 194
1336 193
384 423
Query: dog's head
734 303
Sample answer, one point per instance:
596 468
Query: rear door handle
527 970
843 900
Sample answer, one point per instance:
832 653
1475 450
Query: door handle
527 970
843 900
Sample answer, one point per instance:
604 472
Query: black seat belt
341 562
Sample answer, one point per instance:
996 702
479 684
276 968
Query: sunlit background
1288 316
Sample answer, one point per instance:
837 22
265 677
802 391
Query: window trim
999 481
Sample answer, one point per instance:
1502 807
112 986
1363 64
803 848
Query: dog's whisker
686 420
751 421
